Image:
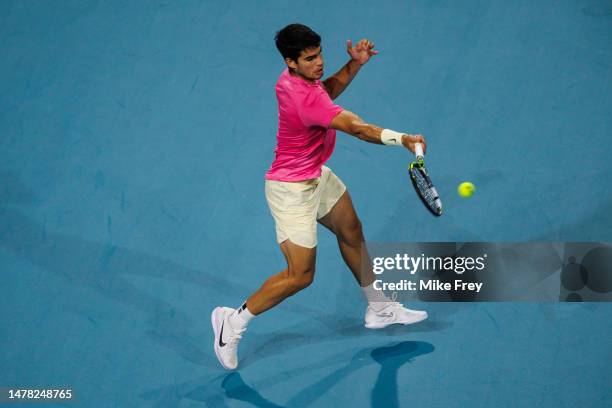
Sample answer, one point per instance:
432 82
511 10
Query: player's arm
360 54
337 83
352 124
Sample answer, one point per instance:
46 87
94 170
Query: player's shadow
309 333
236 389
385 391
391 358
216 391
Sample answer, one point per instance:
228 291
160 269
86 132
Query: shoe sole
383 325
216 327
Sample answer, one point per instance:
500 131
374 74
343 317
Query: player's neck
298 75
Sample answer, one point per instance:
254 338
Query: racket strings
424 188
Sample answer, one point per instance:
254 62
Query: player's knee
305 281
300 279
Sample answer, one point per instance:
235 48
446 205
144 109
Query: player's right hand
410 140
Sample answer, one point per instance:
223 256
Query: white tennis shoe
392 313
226 338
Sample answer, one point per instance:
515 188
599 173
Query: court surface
134 137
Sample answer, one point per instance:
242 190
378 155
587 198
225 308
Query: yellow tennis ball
466 189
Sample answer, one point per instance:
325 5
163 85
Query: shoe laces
394 303
235 337
390 305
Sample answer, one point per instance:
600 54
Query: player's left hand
362 51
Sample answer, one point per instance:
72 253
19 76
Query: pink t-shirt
304 140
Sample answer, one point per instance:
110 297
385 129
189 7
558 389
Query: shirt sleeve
317 109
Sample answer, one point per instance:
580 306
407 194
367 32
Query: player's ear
291 63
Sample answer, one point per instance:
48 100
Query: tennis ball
466 189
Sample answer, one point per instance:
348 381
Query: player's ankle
241 317
377 306
374 295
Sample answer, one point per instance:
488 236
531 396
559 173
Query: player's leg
297 276
229 324
294 208
343 221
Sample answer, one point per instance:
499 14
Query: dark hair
295 38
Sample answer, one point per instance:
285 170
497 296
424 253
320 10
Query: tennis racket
422 184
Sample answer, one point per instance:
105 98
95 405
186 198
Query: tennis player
302 192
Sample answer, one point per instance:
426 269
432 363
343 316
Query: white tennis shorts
296 206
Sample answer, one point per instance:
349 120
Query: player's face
309 64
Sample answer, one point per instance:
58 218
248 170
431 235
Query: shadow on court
216 391
270 344
385 391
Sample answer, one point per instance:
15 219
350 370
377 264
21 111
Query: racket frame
419 166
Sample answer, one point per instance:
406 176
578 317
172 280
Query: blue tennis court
134 139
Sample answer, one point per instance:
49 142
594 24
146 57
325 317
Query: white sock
241 317
377 299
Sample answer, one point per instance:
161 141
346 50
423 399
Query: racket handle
418 151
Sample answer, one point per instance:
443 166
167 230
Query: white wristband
391 137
